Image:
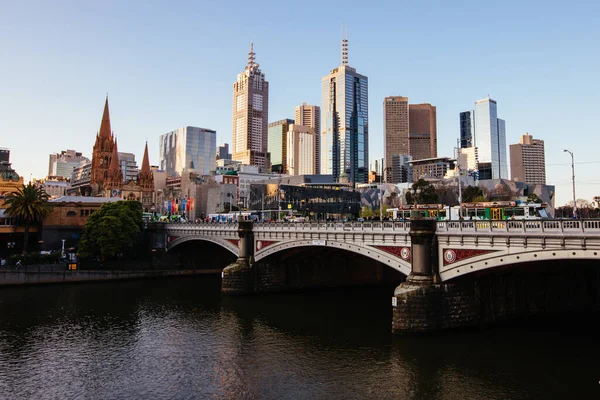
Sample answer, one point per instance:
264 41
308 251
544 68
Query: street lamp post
415 193
573 174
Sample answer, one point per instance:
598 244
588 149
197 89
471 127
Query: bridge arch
507 258
216 240
373 253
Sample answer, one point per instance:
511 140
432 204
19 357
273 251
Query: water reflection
178 338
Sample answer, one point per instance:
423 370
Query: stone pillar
239 277
423 303
423 250
414 300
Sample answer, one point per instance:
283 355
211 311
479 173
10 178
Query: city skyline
57 81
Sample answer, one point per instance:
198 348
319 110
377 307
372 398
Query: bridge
463 247
442 260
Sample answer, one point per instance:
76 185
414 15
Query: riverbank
43 276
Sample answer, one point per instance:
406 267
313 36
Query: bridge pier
423 304
238 278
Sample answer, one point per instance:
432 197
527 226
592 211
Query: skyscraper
527 160
301 146
466 129
422 124
488 135
251 115
310 116
188 147
345 126
278 131
395 131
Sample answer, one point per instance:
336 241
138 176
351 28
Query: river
179 338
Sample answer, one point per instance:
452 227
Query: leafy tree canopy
425 193
112 230
533 198
473 194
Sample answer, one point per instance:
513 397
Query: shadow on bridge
534 290
312 267
200 255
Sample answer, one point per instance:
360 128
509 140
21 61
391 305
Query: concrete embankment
12 278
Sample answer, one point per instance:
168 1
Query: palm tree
29 205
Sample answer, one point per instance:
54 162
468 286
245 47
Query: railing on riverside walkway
555 226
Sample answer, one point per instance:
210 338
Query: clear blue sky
170 64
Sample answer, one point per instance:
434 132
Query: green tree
29 206
112 231
533 198
425 193
471 193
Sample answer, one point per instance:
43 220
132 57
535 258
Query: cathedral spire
105 131
146 161
114 159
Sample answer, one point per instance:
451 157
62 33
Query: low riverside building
67 219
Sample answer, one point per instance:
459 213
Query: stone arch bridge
459 248
443 262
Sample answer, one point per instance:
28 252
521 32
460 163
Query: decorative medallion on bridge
261 244
236 242
171 238
453 255
402 252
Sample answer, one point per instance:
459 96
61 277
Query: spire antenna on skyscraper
344 45
251 58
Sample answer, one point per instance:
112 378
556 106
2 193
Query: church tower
114 180
102 153
146 182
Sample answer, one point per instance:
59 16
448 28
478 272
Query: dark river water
179 339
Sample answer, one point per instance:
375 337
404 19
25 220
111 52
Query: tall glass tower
188 147
485 131
345 127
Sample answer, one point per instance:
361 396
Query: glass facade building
345 126
188 147
488 135
277 145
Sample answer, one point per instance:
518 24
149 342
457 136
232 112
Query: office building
4 155
466 129
277 148
345 126
301 149
432 168
188 147
422 126
481 128
527 161
402 170
62 164
223 152
310 116
251 115
128 166
409 129
395 130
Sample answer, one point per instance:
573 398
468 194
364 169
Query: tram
490 210
503 210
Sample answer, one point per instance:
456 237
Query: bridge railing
207 226
541 225
335 226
